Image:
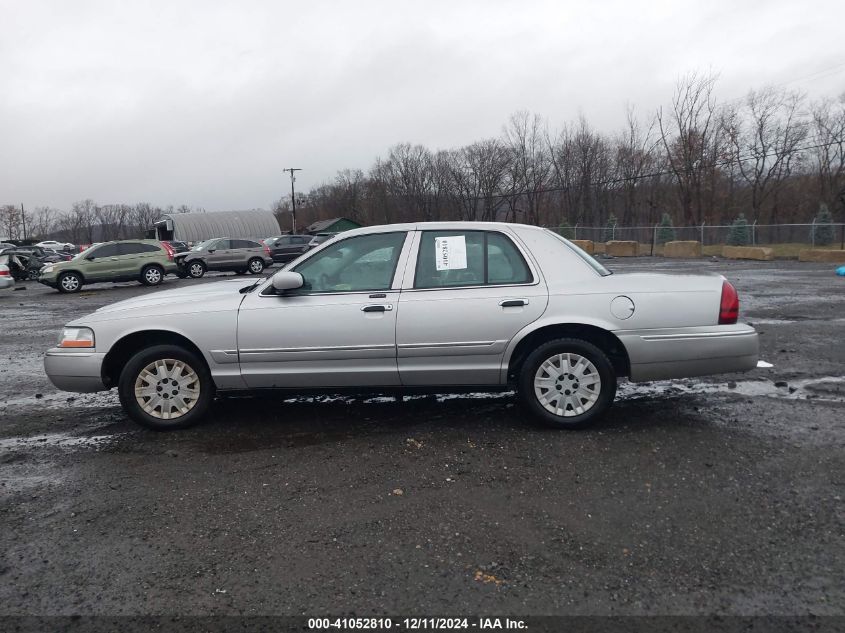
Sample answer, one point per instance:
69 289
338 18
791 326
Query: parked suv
147 261
223 253
285 248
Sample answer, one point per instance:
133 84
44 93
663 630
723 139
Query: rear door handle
377 308
513 303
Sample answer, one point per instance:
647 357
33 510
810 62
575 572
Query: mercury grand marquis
407 308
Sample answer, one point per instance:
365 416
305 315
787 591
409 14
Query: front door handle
513 303
377 308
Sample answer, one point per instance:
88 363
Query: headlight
47 269
77 337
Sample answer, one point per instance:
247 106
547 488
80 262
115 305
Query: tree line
773 156
86 221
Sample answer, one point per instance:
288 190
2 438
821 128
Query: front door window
357 264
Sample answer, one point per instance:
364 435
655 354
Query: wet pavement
720 495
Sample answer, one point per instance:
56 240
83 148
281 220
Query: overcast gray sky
203 103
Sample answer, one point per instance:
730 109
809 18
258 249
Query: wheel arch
602 338
125 347
75 271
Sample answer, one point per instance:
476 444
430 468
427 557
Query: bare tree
10 221
687 133
828 125
531 164
764 136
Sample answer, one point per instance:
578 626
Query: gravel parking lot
713 496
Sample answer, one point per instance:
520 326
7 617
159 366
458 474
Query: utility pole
293 196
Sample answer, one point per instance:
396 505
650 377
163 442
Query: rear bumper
6 282
74 371
694 351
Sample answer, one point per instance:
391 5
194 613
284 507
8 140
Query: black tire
182 275
255 266
152 275
32 274
562 386
164 389
196 268
69 283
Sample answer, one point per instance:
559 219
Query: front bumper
74 370
691 351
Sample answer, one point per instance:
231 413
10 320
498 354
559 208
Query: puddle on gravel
825 389
56 440
97 399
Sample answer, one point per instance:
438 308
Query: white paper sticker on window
450 253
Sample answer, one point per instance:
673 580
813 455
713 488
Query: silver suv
222 253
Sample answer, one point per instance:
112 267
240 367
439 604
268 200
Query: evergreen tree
739 234
822 231
608 229
565 230
665 232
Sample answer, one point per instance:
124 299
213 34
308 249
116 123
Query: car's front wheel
165 387
567 383
152 275
69 282
196 269
256 266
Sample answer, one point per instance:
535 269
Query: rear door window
449 259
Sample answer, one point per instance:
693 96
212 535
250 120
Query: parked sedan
235 255
429 306
7 280
285 248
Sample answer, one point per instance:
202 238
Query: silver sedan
411 307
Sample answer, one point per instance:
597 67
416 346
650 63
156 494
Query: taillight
267 251
4 271
169 249
729 305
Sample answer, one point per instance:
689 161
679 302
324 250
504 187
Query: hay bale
619 248
822 255
748 252
686 249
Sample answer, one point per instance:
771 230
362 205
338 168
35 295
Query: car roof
441 226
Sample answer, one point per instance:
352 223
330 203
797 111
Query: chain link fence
807 235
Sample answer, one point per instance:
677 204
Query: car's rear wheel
69 282
567 383
196 269
256 266
152 275
165 387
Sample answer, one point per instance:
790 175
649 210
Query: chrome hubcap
153 275
196 270
70 283
167 388
567 384
256 266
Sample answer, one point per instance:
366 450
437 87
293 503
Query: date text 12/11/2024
414 624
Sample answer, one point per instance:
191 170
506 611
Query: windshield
203 245
594 264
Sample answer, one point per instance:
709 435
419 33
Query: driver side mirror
286 280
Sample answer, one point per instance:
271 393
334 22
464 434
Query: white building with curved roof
196 227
